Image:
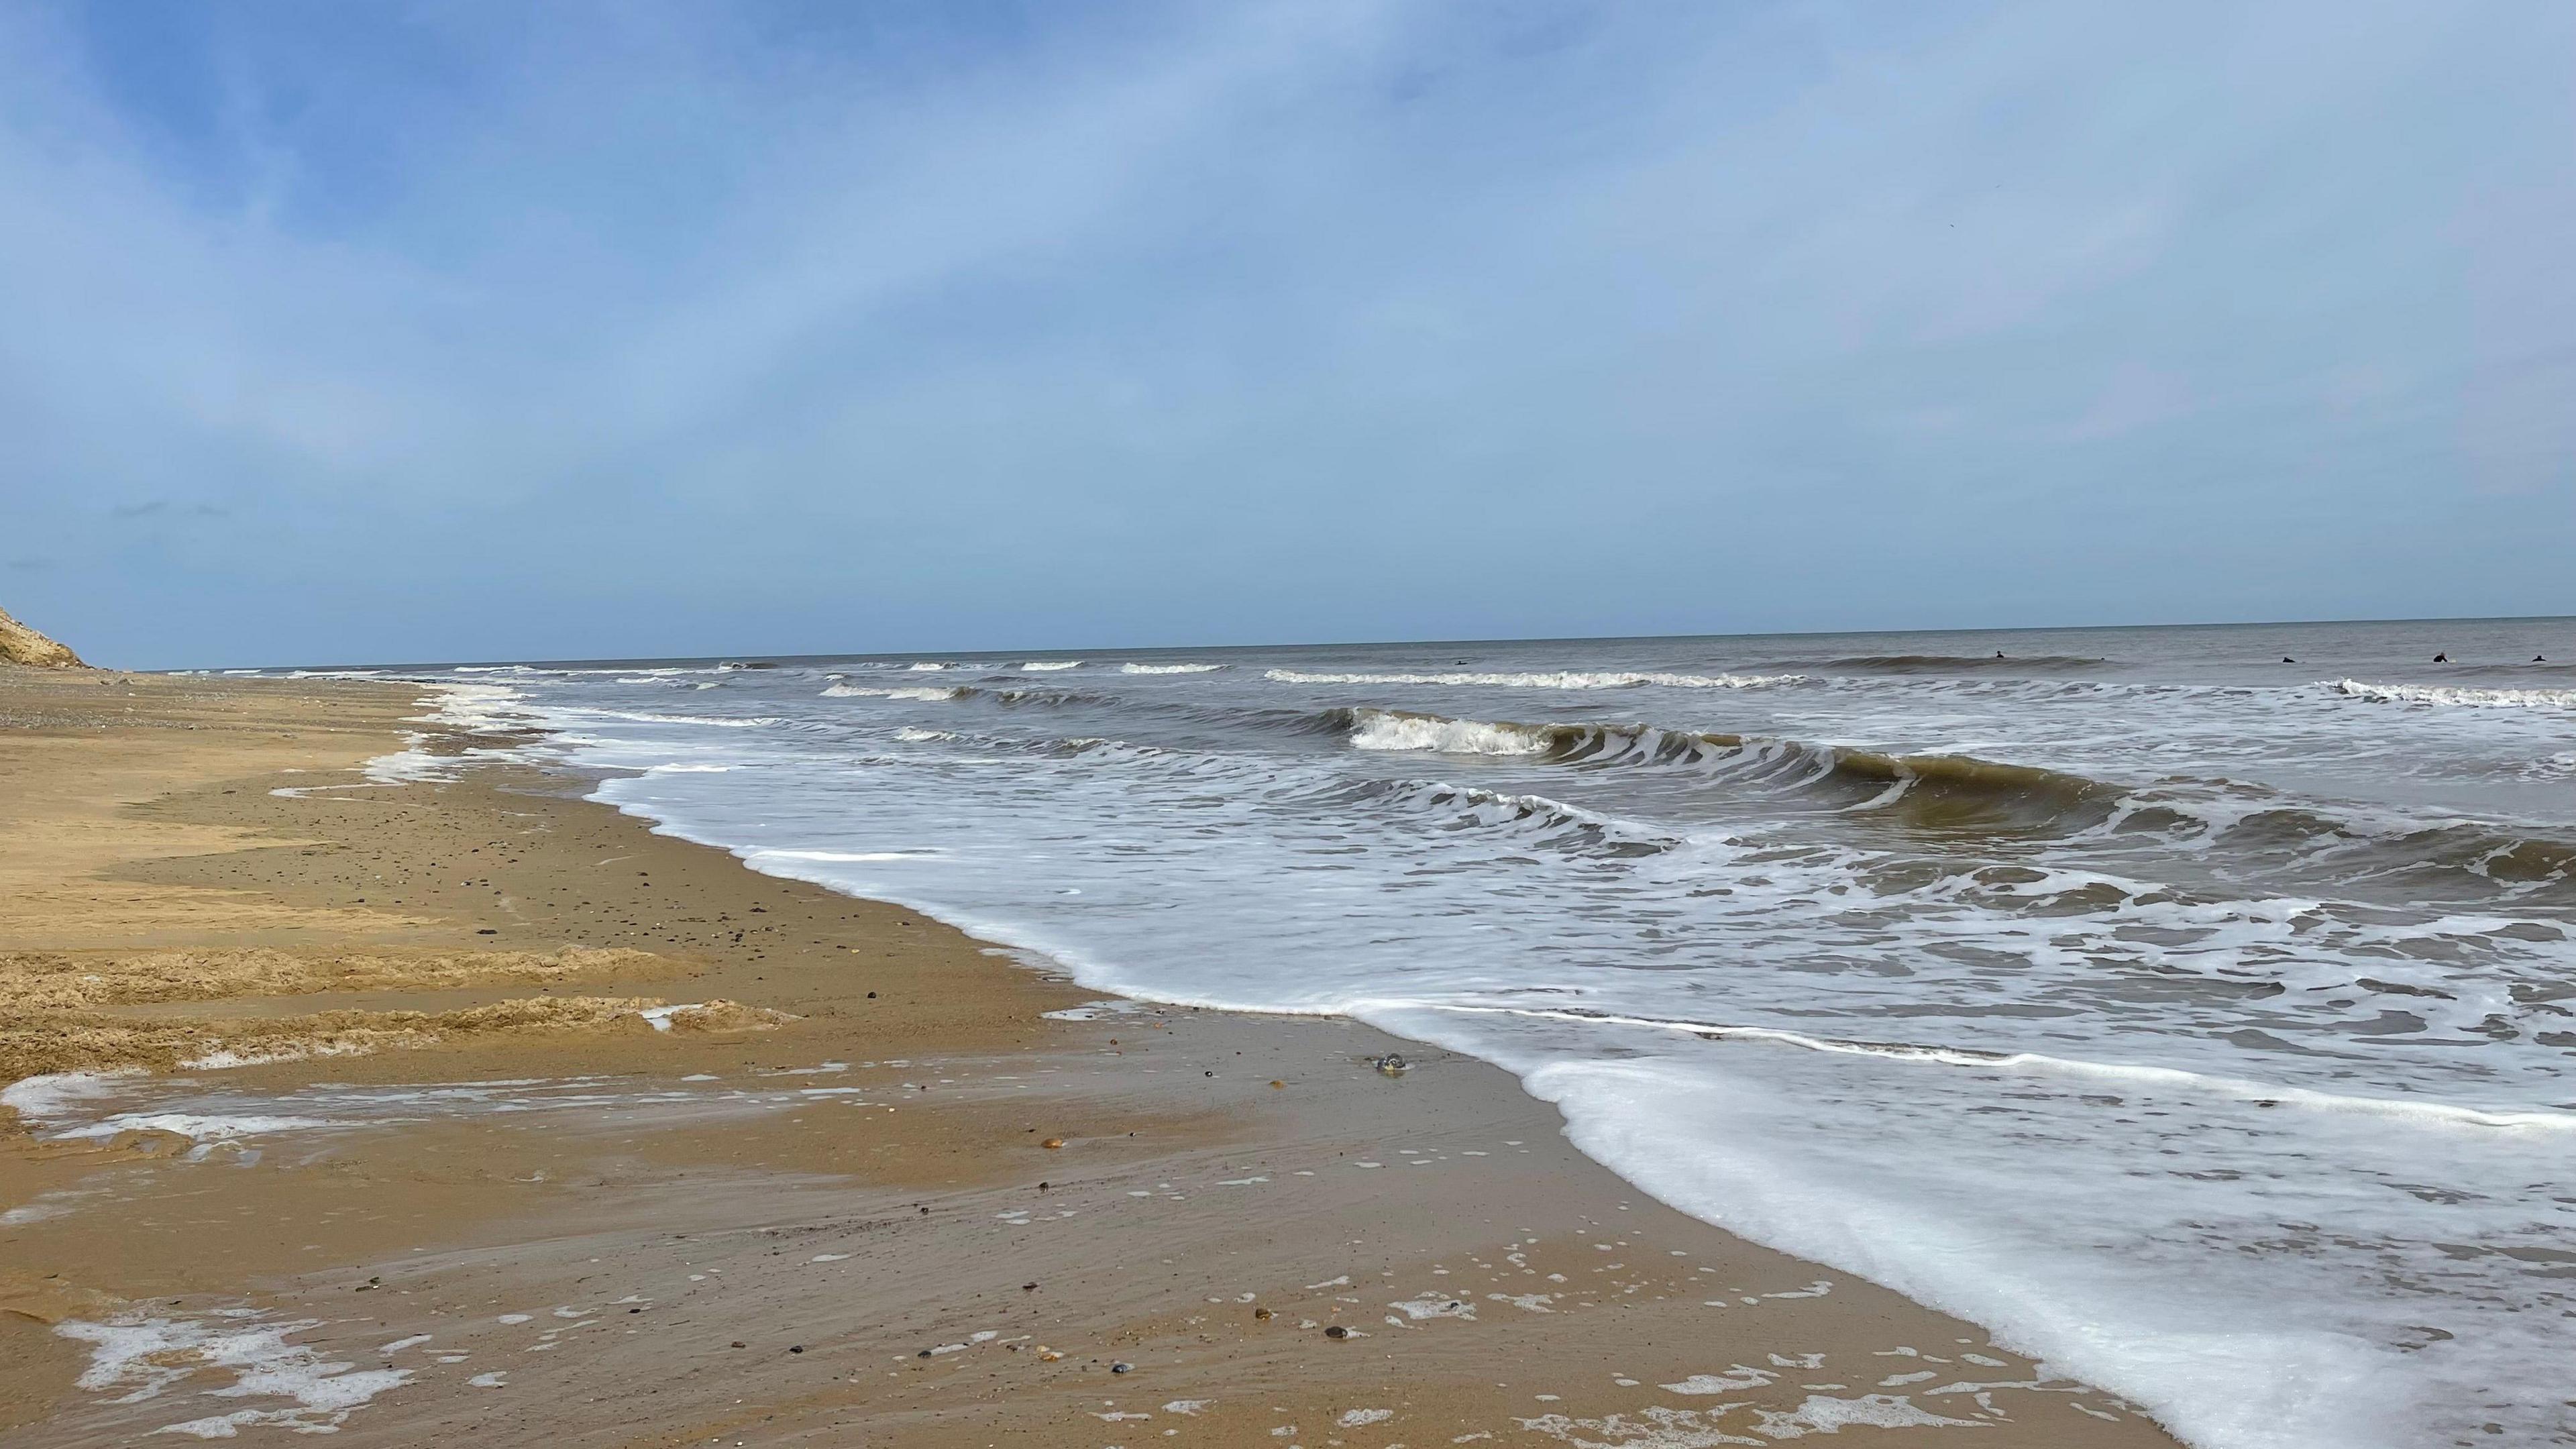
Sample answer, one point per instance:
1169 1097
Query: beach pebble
1337 1331
1052 1143
1122 1368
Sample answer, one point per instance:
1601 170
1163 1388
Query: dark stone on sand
1337 1331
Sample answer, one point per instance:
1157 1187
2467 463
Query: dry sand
823 1210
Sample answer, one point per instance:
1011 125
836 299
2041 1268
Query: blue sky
427 331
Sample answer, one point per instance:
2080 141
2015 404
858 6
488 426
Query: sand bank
609 1141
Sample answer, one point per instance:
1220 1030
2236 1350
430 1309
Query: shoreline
647 1232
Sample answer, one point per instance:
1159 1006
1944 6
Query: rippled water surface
2193 1006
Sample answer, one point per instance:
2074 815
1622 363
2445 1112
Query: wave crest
862 691
1963 792
2441 694
1928 790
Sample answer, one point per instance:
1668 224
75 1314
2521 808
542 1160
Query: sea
2195 1008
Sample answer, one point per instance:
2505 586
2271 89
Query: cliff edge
22 645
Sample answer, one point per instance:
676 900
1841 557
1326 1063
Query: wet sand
822 1210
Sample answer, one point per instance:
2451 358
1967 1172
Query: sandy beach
872 1181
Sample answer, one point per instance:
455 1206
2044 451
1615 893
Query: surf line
2237 1088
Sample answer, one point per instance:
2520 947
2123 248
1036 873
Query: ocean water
2198 1020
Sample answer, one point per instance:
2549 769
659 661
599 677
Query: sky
454 331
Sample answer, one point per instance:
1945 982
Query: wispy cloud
643 328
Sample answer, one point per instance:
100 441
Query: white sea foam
1737 1379
476 706
1169 668
195 1126
137 1357
1561 679
1383 730
403 767
2203 1357
2433 1113
2434 694
224 1058
2085 1080
53 1099
861 691
1048 666
454 706
51 1094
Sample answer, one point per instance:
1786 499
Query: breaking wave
1169 668
1536 819
1932 790
1960 792
2436 694
862 691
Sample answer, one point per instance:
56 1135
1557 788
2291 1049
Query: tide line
2238 1088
